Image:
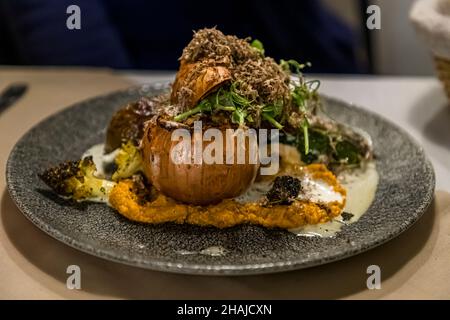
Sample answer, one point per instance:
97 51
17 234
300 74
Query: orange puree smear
229 213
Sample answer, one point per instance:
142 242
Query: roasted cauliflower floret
128 161
77 180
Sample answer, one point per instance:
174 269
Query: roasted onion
198 80
198 184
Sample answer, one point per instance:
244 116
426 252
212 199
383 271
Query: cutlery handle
11 94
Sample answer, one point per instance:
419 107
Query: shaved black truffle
346 216
284 190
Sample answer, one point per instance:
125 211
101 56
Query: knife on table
11 94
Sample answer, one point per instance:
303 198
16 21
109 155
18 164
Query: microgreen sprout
258 46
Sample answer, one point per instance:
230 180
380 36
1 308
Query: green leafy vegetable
258 46
319 144
324 147
347 152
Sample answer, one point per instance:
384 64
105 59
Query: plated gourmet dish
152 168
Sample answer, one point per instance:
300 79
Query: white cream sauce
214 251
318 191
255 192
101 160
361 186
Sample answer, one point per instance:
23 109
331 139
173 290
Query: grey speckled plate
405 190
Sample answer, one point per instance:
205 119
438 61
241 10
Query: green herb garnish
258 46
203 106
301 94
319 144
241 109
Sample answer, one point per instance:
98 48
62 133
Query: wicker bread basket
431 19
443 72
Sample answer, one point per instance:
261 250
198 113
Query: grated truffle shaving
260 78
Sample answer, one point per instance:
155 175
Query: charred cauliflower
77 180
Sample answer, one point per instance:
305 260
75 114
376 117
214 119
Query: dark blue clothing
143 34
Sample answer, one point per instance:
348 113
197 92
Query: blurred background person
141 34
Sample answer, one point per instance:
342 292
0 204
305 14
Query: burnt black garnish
346 216
284 190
